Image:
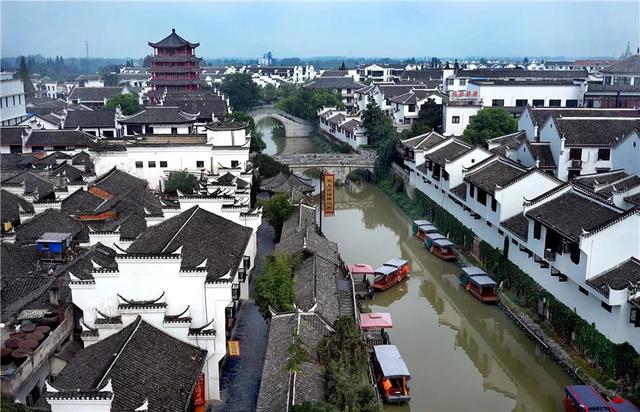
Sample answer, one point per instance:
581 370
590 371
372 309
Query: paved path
240 377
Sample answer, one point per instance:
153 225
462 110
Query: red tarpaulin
376 320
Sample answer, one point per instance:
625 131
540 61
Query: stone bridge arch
293 126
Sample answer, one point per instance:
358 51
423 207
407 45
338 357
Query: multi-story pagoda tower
174 66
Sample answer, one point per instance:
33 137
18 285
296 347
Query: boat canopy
396 263
360 269
386 270
390 361
587 397
421 222
443 242
473 271
435 235
622 405
375 320
428 228
482 280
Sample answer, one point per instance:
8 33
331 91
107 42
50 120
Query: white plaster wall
464 112
511 199
627 155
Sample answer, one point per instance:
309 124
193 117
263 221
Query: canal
462 355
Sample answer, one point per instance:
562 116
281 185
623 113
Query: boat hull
390 281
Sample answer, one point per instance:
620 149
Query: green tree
489 123
429 118
305 103
242 92
269 94
29 90
276 210
315 406
274 287
257 144
269 167
183 181
8 404
343 66
379 127
128 103
298 353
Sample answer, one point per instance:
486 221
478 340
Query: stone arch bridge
293 126
339 164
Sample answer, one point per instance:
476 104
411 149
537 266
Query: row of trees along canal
615 366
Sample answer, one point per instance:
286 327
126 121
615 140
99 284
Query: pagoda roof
173 40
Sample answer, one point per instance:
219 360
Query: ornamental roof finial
173 30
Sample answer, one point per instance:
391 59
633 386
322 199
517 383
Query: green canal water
462 355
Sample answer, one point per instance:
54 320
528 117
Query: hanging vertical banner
329 194
199 393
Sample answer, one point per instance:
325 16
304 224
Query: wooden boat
390 274
430 237
422 227
479 284
583 398
362 276
373 326
391 374
444 249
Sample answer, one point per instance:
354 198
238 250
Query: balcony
549 255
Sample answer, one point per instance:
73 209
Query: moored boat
362 276
478 283
584 398
422 227
430 237
391 374
390 273
443 248
373 326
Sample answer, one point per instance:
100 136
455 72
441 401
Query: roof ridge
195 209
115 359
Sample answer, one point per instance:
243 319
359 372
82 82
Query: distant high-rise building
266 60
174 66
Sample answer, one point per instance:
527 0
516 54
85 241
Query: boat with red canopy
360 274
391 374
443 248
479 284
583 398
373 326
390 273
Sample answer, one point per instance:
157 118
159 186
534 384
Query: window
575 154
571 103
200 163
235 163
489 223
604 154
14 148
472 190
174 130
583 291
494 204
412 108
61 148
622 80
538 102
152 163
163 163
555 102
605 307
463 82
139 165
497 102
521 102
607 80
455 119
482 196
107 133
35 149
449 82
537 230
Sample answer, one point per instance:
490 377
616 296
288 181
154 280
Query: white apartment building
12 99
343 127
405 107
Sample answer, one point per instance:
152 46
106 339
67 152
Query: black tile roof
635 199
281 183
448 152
90 119
595 132
143 363
392 90
334 83
335 73
60 138
619 277
205 109
424 141
494 174
202 236
507 142
173 40
460 191
518 83
571 213
11 205
592 181
542 152
158 115
595 89
82 266
94 94
51 220
35 182
522 74
630 65
518 225
422 75
67 172
11 135
116 182
539 115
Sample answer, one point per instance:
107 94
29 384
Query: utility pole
86 48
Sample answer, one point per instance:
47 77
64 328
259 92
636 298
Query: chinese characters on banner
329 194
464 93
233 348
198 393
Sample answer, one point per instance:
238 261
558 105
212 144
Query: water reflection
273 135
463 355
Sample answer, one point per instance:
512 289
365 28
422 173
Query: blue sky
306 29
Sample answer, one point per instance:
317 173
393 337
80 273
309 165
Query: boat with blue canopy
443 248
390 273
478 283
391 374
422 227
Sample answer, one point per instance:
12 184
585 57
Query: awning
385 270
375 320
586 396
473 271
391 363
482 280
421 222
427 228
443 242
359 269
396 263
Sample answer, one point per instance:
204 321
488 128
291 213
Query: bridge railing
273 110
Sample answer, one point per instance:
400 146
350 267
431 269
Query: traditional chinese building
174 66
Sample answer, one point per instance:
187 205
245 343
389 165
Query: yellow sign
233 348
329 194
